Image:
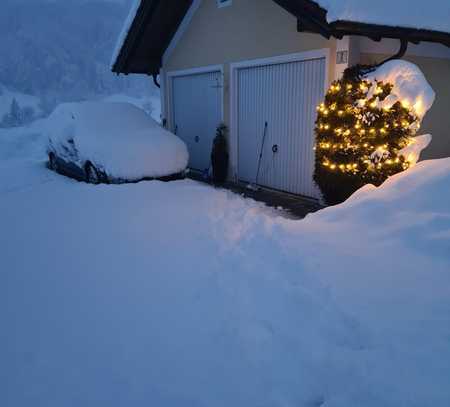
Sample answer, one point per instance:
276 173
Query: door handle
197 139
275 148
176 129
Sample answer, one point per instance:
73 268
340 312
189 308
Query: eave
314 21
157 21
149 36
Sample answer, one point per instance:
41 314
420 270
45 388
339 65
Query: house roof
148 31
399 19
153 23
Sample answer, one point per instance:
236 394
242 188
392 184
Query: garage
197 112
275 109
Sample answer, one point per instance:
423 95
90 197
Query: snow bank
118 138
126 28
179 294
435 15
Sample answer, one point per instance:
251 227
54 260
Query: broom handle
261 152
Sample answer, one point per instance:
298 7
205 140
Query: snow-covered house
263 66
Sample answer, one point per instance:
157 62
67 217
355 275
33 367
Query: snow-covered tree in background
17 115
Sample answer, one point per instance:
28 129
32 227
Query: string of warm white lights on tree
359 136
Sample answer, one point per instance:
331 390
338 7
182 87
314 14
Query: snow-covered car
100 142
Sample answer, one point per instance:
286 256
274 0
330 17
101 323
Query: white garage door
197 107
285 97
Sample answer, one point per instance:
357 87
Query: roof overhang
157 21
313 18
149 35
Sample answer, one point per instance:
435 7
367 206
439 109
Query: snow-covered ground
181 295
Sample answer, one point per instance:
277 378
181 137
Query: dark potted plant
220 156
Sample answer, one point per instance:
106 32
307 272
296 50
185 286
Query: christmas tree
359 137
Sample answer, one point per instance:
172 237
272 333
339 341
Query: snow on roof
432 15
125 30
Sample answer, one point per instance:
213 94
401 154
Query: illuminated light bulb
418 106
332 166
372 131
325 112
362 132
338 87
326 127
397 160
338 130
388 161
333 106
366 145
357 126
342 167
355 165
386 108
378 90
347 133
373 104
340 112
383 131
405 103
349 86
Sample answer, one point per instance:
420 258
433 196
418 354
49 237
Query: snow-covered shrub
366 126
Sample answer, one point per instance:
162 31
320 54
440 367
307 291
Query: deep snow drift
181 295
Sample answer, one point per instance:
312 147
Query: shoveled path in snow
180 295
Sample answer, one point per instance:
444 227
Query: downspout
358 71
155 80
401 52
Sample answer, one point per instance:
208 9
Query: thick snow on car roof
432 15
119 138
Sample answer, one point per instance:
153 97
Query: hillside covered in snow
60 51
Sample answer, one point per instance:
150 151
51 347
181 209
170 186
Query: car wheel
91 173
52 164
